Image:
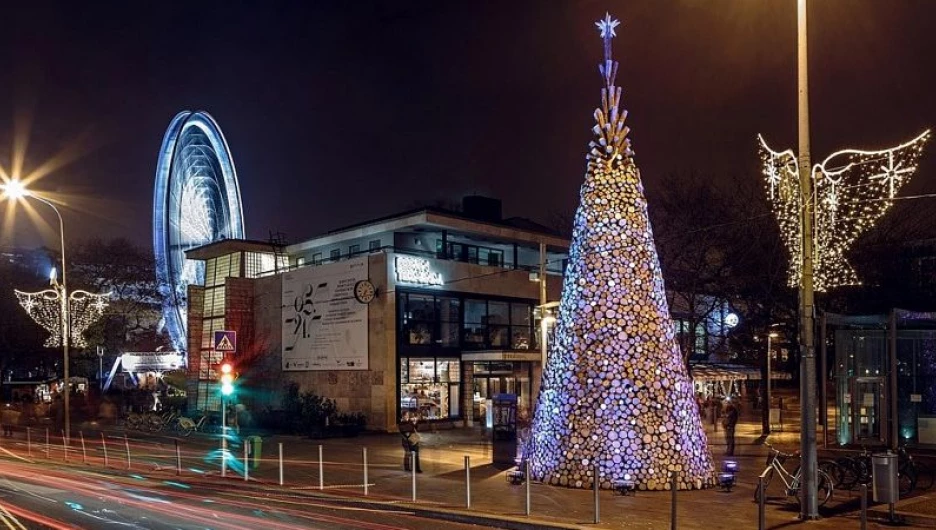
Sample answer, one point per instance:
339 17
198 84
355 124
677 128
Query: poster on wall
324 326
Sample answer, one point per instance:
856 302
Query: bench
624 487
515 477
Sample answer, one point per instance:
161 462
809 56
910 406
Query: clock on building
364 291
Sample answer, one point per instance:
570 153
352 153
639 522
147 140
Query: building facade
453 320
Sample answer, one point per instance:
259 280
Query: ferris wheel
196 201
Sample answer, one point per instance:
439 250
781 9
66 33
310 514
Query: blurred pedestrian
729 423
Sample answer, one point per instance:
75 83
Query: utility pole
809 507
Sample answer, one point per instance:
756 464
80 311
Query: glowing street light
15 190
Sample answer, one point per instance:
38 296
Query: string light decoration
615 393
45 308
852 190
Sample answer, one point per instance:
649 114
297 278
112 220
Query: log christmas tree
615 392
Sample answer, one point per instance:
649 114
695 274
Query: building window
300 261
491 257
491 324
354 249
335 254
374 245
429 388
317 258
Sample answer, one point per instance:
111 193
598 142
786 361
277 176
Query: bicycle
792 481
187 426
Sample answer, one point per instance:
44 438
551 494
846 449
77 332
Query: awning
732 372
502 355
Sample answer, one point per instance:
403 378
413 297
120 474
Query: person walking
729 423
410 440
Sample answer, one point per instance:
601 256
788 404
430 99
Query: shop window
374 245
429 388
317 258
335 254
354 249
475 323
419 319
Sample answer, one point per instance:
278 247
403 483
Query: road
43 495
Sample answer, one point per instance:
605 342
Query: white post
467 482
28 443
281 463
246 460
223 438
321 470
413 469
526 480
364 451
104 446
178 456
48 448
65 445
84 453
127 444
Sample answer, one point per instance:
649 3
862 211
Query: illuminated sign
410 269
152 361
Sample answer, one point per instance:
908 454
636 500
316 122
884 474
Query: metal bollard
674 487
864 507
84 453
104 446
526 482
65 445
467 481
178 458
28 442
246 461
281 463
413 469
321 470
596 485
127 445
761 506
364 451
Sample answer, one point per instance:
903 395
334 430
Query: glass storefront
429 388
503 377
434 329
863 394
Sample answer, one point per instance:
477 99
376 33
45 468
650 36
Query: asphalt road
42 495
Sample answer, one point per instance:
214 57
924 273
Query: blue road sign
225 341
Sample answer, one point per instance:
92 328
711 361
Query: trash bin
884 477
254 449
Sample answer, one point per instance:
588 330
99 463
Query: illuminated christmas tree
615 390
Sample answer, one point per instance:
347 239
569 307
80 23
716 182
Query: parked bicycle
792 482
186 426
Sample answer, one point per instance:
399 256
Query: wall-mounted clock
364 291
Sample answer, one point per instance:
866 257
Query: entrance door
868 410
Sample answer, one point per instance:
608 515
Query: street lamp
16 190
765 428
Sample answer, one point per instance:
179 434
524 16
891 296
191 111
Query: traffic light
227 378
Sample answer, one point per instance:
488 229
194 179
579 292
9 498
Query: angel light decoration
852 190
45 308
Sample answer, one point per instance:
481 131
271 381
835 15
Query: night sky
338 112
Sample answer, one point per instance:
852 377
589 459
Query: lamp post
765 428
809 507
100 356
15 189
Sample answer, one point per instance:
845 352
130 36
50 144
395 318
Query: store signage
410 269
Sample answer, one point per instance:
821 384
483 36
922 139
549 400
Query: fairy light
45 308
853 189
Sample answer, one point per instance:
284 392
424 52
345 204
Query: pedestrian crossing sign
225 341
